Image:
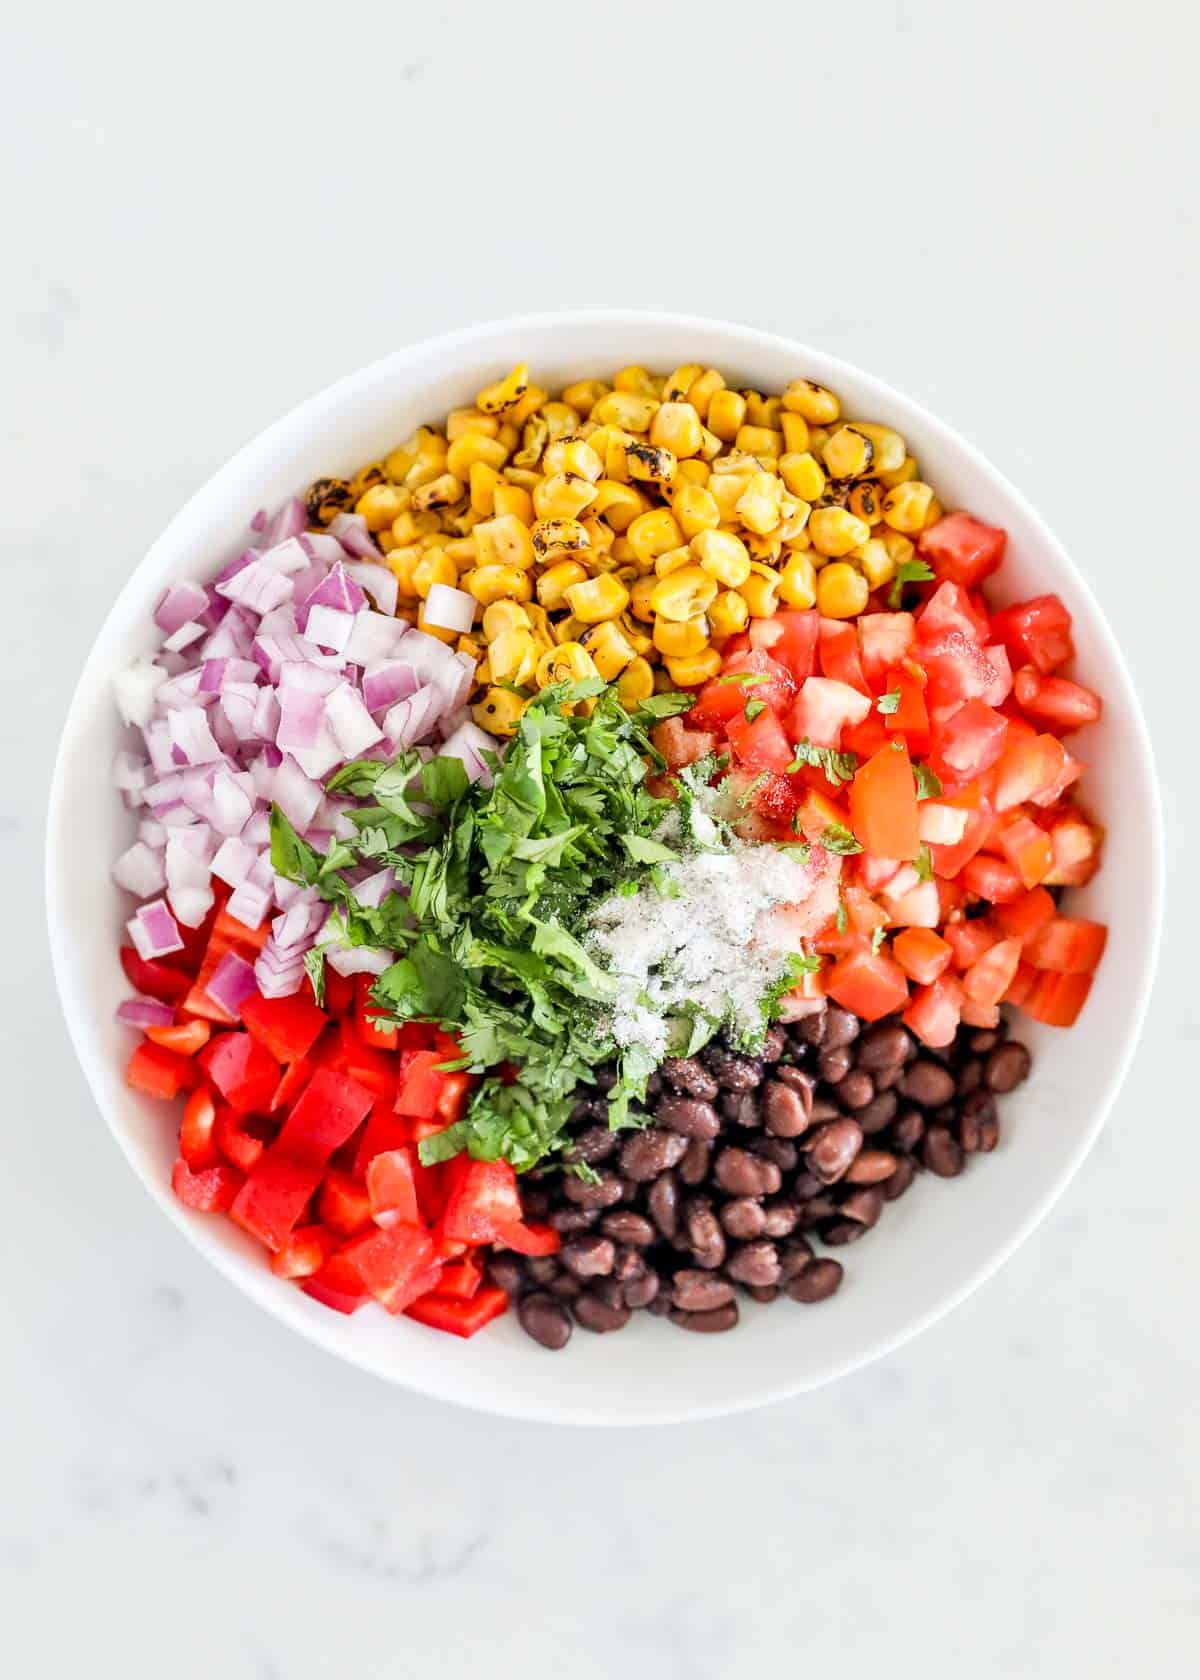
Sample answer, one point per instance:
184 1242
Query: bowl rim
74 1003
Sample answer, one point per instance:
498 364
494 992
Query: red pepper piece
295 1078
459 1318
238 1141
153 979
396 1265
382 1131
420 1083
185 1039
274 1196
304 1252
241 1070
159 1072
329 1111
463 1279
374 1069
197 1144
382 1036
343 1204
198 1002
286 1027
530 1239
209 1191
337 1284
339 992
233 932
483 1200
392 1189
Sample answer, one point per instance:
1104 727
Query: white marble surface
204 220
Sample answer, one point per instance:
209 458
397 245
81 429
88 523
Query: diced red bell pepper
392 1188
373 1029
240 1144
198 1002
274 1196
185 1039
337 1284
869 984
460 1318
396 1265
329 1110
1056 999
343 1204
375 1070
241 1070
159 1072
992 878
211 1190
922 954
197 1142
295 1077
532 1239
286 1027
153 979
304 1252
1024 916
935 1011
1068 945
463 1278
962 548
419 1084
339 992
987 980
483 1199
383 1131
1036 632
1058 702
883 804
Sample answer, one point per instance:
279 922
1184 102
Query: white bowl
933 1247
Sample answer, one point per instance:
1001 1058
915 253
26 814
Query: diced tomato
789 637
680 745
241 1070
153 979
822 708
295 1077
935 1011
817 813
419 1084
462 1279
460 1318
344 1204
274 1196
941 824
238 1140
922 954
1076 846
392 1189
987 980
1068 945
452 1099
948 861
719 699
304 1252
919 907
197 1144
483 1200
1057 701
286 1027
866 738
884 642
1029 765
949 611
911 716
211 1190
329 1110
1024 916
760 744
869 984
159 1072
992 878
1056 999
957 668
969 940
968 742
338 1284
980 1014
1023 983
962 548
397 1266
839 654
883 804
1027 847
778 798
1036 632
185 1039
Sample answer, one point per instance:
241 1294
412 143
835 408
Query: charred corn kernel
498 583
662 681
635 684
539 623
905 473
649 464
875 563
793 517
890 448
723 557
835 532
461 521
499 712
435 566
726 490
638 379
695 509
798 582
672 560
571 662
526 406
803 475
561 420
427 466
676 427
680 382
766 549
726 413
403 562
567 629
906 508
404 529
481 485
463 552
761 590
513 657
818 437
760 441
710 445
483 674
630 411
396 464
584 394
380 505
497 398
678 640
465 451
609 649
435 630
601 537
653 533
758 506
555 537
524 476
553 583
795 432
535 435
694 471
684 594
849 453
842 590
635 635
813 402
441 492
763 411
866 501
512 499
639 597
702 390
504 541
728 614
696 668
597 599
575 457
504 615
616 454
471 647
366 477
460 422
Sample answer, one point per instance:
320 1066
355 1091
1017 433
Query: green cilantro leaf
839 767
664 706
924 863
877 937
888 703
836 838
753 709
746 679
928 785
314 967
908 571
841 920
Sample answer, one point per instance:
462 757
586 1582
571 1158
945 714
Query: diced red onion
181 690
257 832
290 521
141 870
375 888
287 557
319 545
318 760
232 804
329 627
373 638
358 959
190 734
257 588
297 924
259 522
231 982
387 682
282 982
180 603
153 931
192 631
136 688
232 567
354 729
265 721
411 720
350 529
238 704
297 797
143 1012
250 903
337 589
131 773
468 744
233 636
152 833
316 676
380 583
301 718
448 608
234 860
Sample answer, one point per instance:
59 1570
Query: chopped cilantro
664 705
924 863
841 920
314 967
928 785
877 937
837 838
908 571
753 709
747 679
839 767
888 703
752 788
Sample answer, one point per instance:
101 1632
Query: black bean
832 1148
742 1107
817 1282
974 1113
942 1153
878 1113
839 1232
969 1077
774 1043
883 1046
779 1219
909 1129
688 1116
743 1218
594 1313
567 1220
663 1202
706 1239
872 1166
824 1108
733 1072
689 1075
763 1292
989 1136
786 1110
886 1078
588 1257
597 1143
541 1317
605 1077
810 1029
642 1291
660 1304
697 1160
805 1184
536 1199
782 1151
798 1078
841 1027
1007 1067
644 1155
926 1083
754 1262
700 1291
542 1267
626 1227
708 1323
627 1266
606 1192
835 1063
505 1271
900 1180
814 1211
983 1041
863 1205
794 1256
743 1174
857 1090
564 1287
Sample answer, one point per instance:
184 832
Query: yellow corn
672 560
397 464
649 464
653 533
468 645
835 532
758 506
509 434
511 499
684 594
728 614
767 549
503 615
761 441
504 541
555 537
553 583
609 648
561 420
702 390
761 591
679 383
890 448
865 501
380 505
575 457
427 466
639 379
403 562
569 663
695 471
630 411
499 712
440 492
566 629
803 476
723 556
365 477
435 566
727 489
695 669
562 496
639 598
436 630
762 411
498 583
505 393
597 598
906 508
525 407
513 657
676 427
404 530
618 504
635 684
875 563
798 582
849 453
635 635
465 451
481 486
460 422
813 402
905 473
795 433
679 640
842 590
584 394
793 517
726 413
695 509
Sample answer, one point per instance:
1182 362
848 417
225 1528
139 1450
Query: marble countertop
994 212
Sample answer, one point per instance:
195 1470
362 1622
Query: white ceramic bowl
933 1247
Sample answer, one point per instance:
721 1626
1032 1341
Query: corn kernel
835 532
676 427
723 556
680 382
695 509
440 492
875 563
764 548
404 530
758 506
630 411
905 473
898 546
649 464
505 393
555 537
397 464
812 402
566 629
435 566
535 435
672 560
380 505
499 712
762 411
795 433
684 594
710 445
694 471
798 582
890 448
600 540
435 630
584 394
498 583
461 422
481 486
842 590
760 441
503 615
639 379
570 662
609 648
618 504
677 640
509 435
793 517
849 453
653 533
513 657
697 668
726 490
365 478
726 413
803 476
636 636
702 390
504 541
635 684
465 451
402 562
472 648
639 597
728 614
761 591
906 507
553 583
597 599
525 407
575 457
